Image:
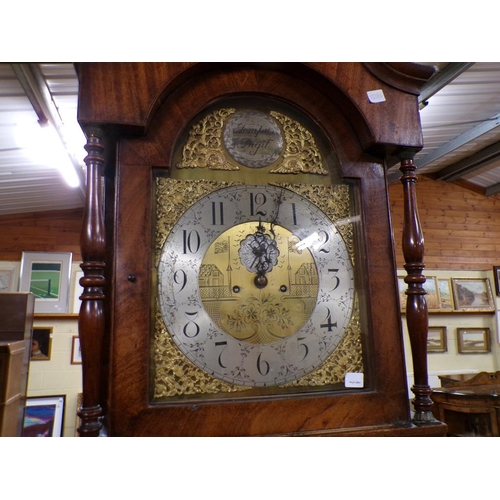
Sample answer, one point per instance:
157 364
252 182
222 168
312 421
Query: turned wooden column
417 317
91 321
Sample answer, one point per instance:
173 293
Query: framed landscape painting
436 339
47 276
472 294
473 340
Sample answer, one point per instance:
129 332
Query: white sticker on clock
354 380
375 96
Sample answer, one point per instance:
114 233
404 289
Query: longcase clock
238 258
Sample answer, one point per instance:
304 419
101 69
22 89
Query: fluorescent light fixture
45 146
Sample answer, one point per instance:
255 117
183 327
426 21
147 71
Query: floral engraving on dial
265 313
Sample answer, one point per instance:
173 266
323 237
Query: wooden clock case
133 114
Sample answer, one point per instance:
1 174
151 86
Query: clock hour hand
259 254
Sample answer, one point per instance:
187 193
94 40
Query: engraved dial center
263 308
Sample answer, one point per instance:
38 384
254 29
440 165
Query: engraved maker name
253 139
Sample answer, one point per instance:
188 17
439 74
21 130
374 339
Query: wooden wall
461 227
57 231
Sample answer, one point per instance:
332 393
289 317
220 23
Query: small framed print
472 294
77 291
47 276
41 343
445 294
496 277
431 296
79 404
402 292
473 340
76 352
436 339
8 276
44 416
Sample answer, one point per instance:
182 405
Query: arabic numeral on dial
191 241
324 239
328 323
263 366
180 278
306 349
336 278
191 328
257 201
219 344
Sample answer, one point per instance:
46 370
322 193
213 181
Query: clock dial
255 285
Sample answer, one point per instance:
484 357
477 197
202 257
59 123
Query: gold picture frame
472 294
446 302
473 340
41 344
431 296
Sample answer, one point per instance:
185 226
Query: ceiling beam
491 190
40 97
435 84
38 94
470 164
442 78
459 141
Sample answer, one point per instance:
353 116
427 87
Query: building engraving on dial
244 310
317 352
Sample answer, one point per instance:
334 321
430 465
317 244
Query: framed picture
44 416
436 339
41 344
473 340
472 294
76 352
8 276
402 292
79 403
496 277
431 297
47 276
77 291
445 294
